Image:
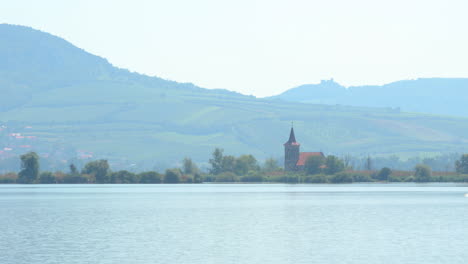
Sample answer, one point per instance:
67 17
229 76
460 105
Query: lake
234 223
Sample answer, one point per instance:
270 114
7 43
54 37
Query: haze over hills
443 96
68 104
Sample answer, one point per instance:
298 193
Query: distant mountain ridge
70 106
444 96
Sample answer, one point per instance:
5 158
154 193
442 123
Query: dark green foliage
409 179
246 163
29 168
342 177
422 173
46 177
150 177
226 177
76 178
313 164
189 167
73 169
228 164
216 161
252 176
123 176
317 178
197 178
172 176
333 165
99 169
359 177
461 165
384 174
271 165
393 178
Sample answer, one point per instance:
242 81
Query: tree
46 177
197 178
123 176
347 161
228 164
271 165
313 164
333 165
189 167
341 177
29 168
461 165
244 164
172 176
99 169
73 170
150 177
384 173
217 161
422 173
226 177
368 165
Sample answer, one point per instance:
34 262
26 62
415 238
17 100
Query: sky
262 47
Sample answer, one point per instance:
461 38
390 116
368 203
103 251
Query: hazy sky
262 47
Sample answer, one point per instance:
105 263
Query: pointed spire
292 137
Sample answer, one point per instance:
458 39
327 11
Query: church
294 160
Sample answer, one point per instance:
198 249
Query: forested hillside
69 105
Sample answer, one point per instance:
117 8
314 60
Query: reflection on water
244 223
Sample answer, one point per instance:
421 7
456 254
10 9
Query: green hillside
68 104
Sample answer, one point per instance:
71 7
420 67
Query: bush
10 177
333 165
75 178
150 177
313 164
359 177
172 176
342 177
422 173
226 177
461 165
409 179
383 174
186 178
123 176
394 178
197 178
318 178
252 176
46 177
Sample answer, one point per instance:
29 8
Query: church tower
291 152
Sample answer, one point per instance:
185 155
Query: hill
443 96
71 106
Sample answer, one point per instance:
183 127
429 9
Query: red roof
303 156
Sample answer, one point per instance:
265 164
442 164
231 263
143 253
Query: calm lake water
244 223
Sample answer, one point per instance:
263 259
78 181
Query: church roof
303 156
292 138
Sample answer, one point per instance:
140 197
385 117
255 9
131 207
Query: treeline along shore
231 169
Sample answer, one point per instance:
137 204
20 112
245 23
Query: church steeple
291 152
292 137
